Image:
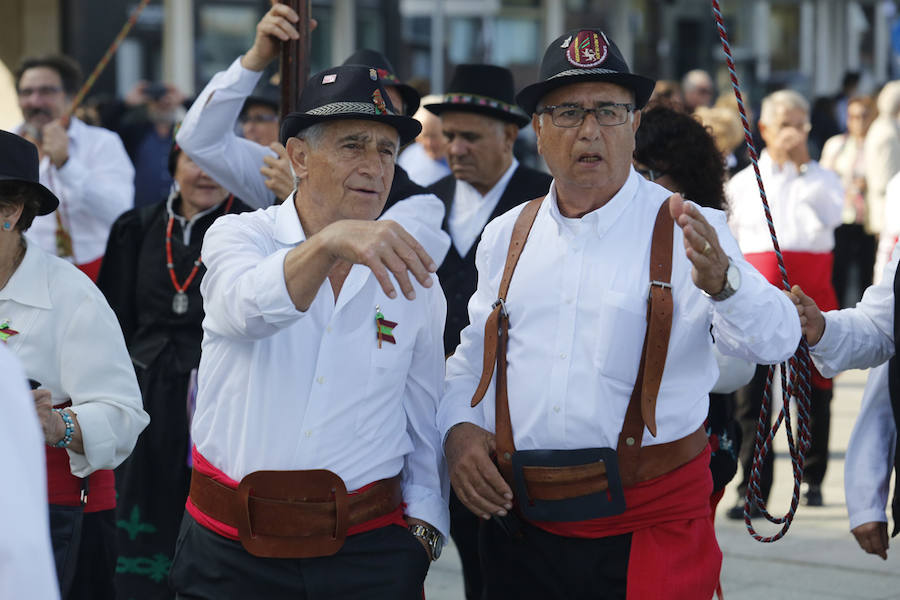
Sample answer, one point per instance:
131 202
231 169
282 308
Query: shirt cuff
271 293
423 503
452 413
824 349
241 79
870 515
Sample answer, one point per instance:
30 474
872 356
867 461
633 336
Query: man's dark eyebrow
354 137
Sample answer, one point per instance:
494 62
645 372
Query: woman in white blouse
59 325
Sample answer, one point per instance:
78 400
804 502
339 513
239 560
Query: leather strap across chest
641 409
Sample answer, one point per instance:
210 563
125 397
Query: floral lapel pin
6 331
384 328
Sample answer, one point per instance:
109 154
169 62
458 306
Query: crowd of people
291 358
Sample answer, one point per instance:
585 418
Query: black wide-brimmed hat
265 94
19 162
584 55
483 89
385 70
347 92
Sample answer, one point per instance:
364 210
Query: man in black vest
480 121
857 338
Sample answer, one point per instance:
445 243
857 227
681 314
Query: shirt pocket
621 326
382 407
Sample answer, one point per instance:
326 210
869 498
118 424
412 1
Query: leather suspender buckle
662 284
502 304
568 485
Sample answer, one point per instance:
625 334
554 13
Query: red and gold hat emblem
378 101
587 49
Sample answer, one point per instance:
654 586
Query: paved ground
817 560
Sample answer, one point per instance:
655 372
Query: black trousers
854 260
544 566
385 564
464 527
749 400
96 558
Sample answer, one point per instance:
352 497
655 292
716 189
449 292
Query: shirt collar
499 187
600 219
288 230
767 165
30 284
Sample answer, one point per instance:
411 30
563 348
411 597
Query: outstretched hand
701 245
812 321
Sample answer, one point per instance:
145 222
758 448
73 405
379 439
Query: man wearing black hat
254 171
595 312
480 123
318 469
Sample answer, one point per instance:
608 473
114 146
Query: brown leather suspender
641 409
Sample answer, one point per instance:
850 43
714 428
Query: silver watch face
733 276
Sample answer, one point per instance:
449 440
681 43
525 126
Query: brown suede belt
636 463
293 514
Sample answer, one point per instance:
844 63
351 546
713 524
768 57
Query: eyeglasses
649 174
258 119
608 114
44 90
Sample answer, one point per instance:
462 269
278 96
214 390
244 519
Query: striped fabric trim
588 72
340 108
476 100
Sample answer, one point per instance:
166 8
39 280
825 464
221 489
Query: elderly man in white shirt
806 202
86 167
577 310
859 338
318 383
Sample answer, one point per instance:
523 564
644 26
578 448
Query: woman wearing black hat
151 276
58 324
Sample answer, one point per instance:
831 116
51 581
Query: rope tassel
794 373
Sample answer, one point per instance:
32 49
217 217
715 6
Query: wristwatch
732 283
431 536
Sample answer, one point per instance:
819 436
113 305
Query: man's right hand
873 538
276 26
473 474
811 318
386 248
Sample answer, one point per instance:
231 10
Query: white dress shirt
577 305
27 569
69 340
806 208
94 187
870 453
470 211
420 167
863 336
288 390
207 136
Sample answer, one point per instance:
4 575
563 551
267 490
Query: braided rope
794 383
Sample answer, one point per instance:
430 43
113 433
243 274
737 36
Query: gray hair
889 99
695 78
313 134
785 99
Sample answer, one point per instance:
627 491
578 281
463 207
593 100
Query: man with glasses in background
601 482
806 201
86 167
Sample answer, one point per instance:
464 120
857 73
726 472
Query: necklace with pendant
180 300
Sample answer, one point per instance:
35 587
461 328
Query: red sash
674 553
206 468
65 489
812 272
91 269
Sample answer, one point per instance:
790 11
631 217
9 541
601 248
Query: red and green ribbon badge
384 328
7 332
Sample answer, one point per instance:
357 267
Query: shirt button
328 329
556 409
308 434
629 441
320 379
563 356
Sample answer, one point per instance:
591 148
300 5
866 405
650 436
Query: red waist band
203 466
65 489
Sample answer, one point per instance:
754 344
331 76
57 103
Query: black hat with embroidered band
584 55
19 163
482 89
347 92
385 70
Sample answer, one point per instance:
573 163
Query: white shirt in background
27 569
94 187
420 167
470 211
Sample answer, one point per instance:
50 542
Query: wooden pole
295 59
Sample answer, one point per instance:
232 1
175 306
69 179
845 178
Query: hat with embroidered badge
482 89
584 55
385 70
347 92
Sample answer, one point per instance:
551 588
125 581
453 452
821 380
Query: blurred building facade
804 44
